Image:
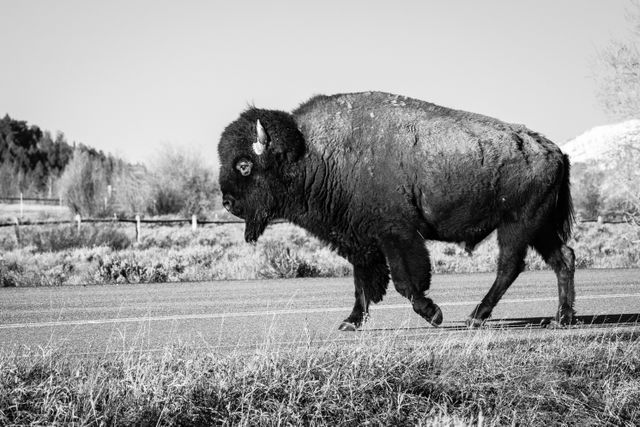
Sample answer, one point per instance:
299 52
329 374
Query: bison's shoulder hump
382 102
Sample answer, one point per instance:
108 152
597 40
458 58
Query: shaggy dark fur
375 175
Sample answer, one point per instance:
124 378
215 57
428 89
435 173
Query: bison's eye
244 166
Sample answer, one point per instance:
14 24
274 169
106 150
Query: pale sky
128 76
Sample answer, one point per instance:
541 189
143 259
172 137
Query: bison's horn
260 145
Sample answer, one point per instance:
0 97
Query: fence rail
185 221
30 200
194 221
125 220
78 221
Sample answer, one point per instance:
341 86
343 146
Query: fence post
137 228
21 206
78 221
194 222
17 226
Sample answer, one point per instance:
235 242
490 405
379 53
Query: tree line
32 160
92 183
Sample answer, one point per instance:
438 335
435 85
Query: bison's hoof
562 323
436 318
565 317
474 323
348 327
555 324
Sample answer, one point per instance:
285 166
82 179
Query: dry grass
33 212
487 378
105 254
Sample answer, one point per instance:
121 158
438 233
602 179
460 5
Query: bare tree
182 183
617 70
627 177
131 189
84 185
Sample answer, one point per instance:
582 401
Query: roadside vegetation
486 377
108 254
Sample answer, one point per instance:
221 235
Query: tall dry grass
484 377
106 254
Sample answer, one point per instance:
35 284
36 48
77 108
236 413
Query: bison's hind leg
561 259
371 282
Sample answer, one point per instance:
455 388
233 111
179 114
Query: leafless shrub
617 69
182 183
83 185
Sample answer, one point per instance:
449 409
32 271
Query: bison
375 175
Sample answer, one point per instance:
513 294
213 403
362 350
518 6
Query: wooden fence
31 201
194 222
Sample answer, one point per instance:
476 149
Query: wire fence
78 221
31 201
194 221
137 220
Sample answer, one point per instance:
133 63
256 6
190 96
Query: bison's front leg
371 282
411 273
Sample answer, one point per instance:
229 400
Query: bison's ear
261 144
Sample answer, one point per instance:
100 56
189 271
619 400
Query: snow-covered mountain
601 143
605 169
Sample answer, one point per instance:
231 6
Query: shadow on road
585 321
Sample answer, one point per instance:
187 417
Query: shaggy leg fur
371 282
561 259
411 274
513 249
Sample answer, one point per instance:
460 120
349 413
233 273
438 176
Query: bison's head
257 154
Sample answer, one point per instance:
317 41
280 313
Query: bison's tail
564 215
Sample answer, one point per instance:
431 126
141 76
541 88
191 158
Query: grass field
103 254
8 212
486 378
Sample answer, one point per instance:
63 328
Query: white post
17 225
108 196
600 220
194 222
78 221
21 206
137 228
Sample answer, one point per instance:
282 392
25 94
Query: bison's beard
254 227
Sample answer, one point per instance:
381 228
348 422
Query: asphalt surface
236 315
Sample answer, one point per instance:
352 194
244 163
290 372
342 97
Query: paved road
244 314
